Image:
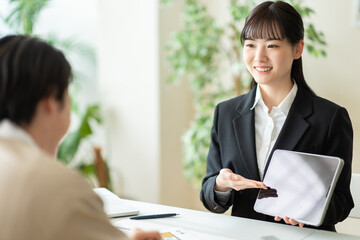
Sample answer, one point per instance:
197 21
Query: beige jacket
41 199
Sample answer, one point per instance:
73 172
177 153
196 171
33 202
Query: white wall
145 116
129 83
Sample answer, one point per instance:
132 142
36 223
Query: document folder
113 206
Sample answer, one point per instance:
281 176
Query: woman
279 112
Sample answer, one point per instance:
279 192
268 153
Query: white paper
167 233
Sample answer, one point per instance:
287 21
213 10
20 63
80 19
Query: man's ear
48 105
299 47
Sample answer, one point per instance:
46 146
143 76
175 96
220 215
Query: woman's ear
299 47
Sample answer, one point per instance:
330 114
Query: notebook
300 186
113 206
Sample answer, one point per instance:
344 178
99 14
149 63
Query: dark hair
30 70
277 20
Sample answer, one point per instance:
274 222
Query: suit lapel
295 124
244 127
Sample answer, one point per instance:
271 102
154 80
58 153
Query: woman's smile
263 69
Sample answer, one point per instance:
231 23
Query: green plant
24 14
196 52
70 145
21 19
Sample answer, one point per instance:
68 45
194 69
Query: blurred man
39 197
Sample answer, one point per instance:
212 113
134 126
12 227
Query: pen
154 216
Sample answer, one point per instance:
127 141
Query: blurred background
123 54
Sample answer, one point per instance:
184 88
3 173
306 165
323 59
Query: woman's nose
260 55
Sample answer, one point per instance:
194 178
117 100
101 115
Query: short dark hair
277 20
30 70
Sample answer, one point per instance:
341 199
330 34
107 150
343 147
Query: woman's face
270 60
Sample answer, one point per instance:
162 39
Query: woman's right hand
227 180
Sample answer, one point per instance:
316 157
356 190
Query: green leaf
166 1
323 52
192 50
71 143
69 147
87 169
24 14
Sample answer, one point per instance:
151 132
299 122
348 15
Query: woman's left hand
290 221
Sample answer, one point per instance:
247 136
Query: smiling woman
279 112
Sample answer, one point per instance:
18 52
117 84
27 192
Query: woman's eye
250 45
272 46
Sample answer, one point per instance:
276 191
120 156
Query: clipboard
300 186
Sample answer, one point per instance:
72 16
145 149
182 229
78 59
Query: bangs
262 27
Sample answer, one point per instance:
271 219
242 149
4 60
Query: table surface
220 226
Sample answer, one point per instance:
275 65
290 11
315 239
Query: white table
217 226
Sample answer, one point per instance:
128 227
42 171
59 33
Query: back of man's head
30 70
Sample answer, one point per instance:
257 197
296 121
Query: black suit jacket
313 125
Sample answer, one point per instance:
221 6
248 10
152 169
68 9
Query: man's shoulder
37 191
33 167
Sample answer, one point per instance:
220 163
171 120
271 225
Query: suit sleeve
214 165
340 143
